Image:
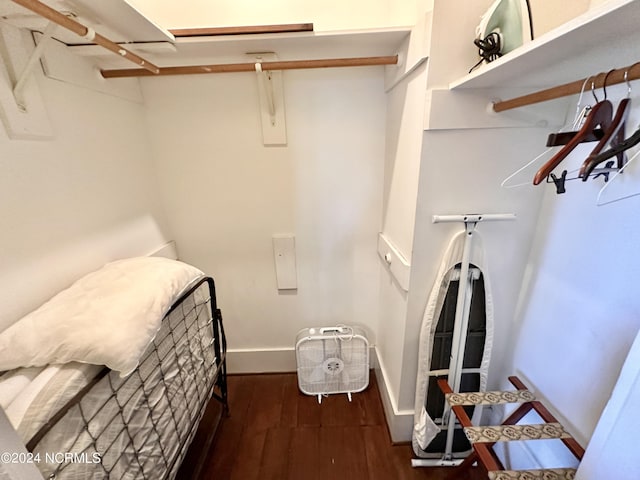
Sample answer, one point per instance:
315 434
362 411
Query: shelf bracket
271 101
34 58
22 112
266 85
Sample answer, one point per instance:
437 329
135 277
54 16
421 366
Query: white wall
549 14
73 203
611 452
582 308
326 15
405 117
70 204
226 195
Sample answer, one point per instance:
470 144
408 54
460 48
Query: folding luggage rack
484 438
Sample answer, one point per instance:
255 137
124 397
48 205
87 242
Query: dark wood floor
276 432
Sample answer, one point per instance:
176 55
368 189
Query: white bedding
106 318
37 401
14 382
16 409
141 424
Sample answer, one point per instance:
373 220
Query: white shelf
578 48
234 48
117 20
122 23
380 41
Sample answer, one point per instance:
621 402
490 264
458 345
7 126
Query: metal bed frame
192 337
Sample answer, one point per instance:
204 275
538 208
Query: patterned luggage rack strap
509 433
490 398
545 474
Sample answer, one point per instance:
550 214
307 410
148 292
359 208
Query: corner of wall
399 422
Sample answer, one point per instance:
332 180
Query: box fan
332 360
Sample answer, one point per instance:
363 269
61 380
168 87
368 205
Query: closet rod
616 76
85 32
251 67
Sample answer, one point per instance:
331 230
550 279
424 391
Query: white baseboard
277 360
261 361
400 422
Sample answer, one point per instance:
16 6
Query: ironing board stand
461 323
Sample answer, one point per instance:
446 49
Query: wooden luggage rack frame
484 438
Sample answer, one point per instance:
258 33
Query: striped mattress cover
84 421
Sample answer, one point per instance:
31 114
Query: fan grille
332 364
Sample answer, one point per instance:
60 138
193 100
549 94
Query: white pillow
107 317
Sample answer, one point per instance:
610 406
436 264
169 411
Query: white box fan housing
332 360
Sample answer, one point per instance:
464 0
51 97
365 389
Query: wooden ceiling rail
251 67
619 75
85 32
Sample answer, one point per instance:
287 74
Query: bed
110 411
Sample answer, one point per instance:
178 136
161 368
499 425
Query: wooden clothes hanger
620 144
562 138
615 133
578 119
600 115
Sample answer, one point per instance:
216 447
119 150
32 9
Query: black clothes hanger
618 149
